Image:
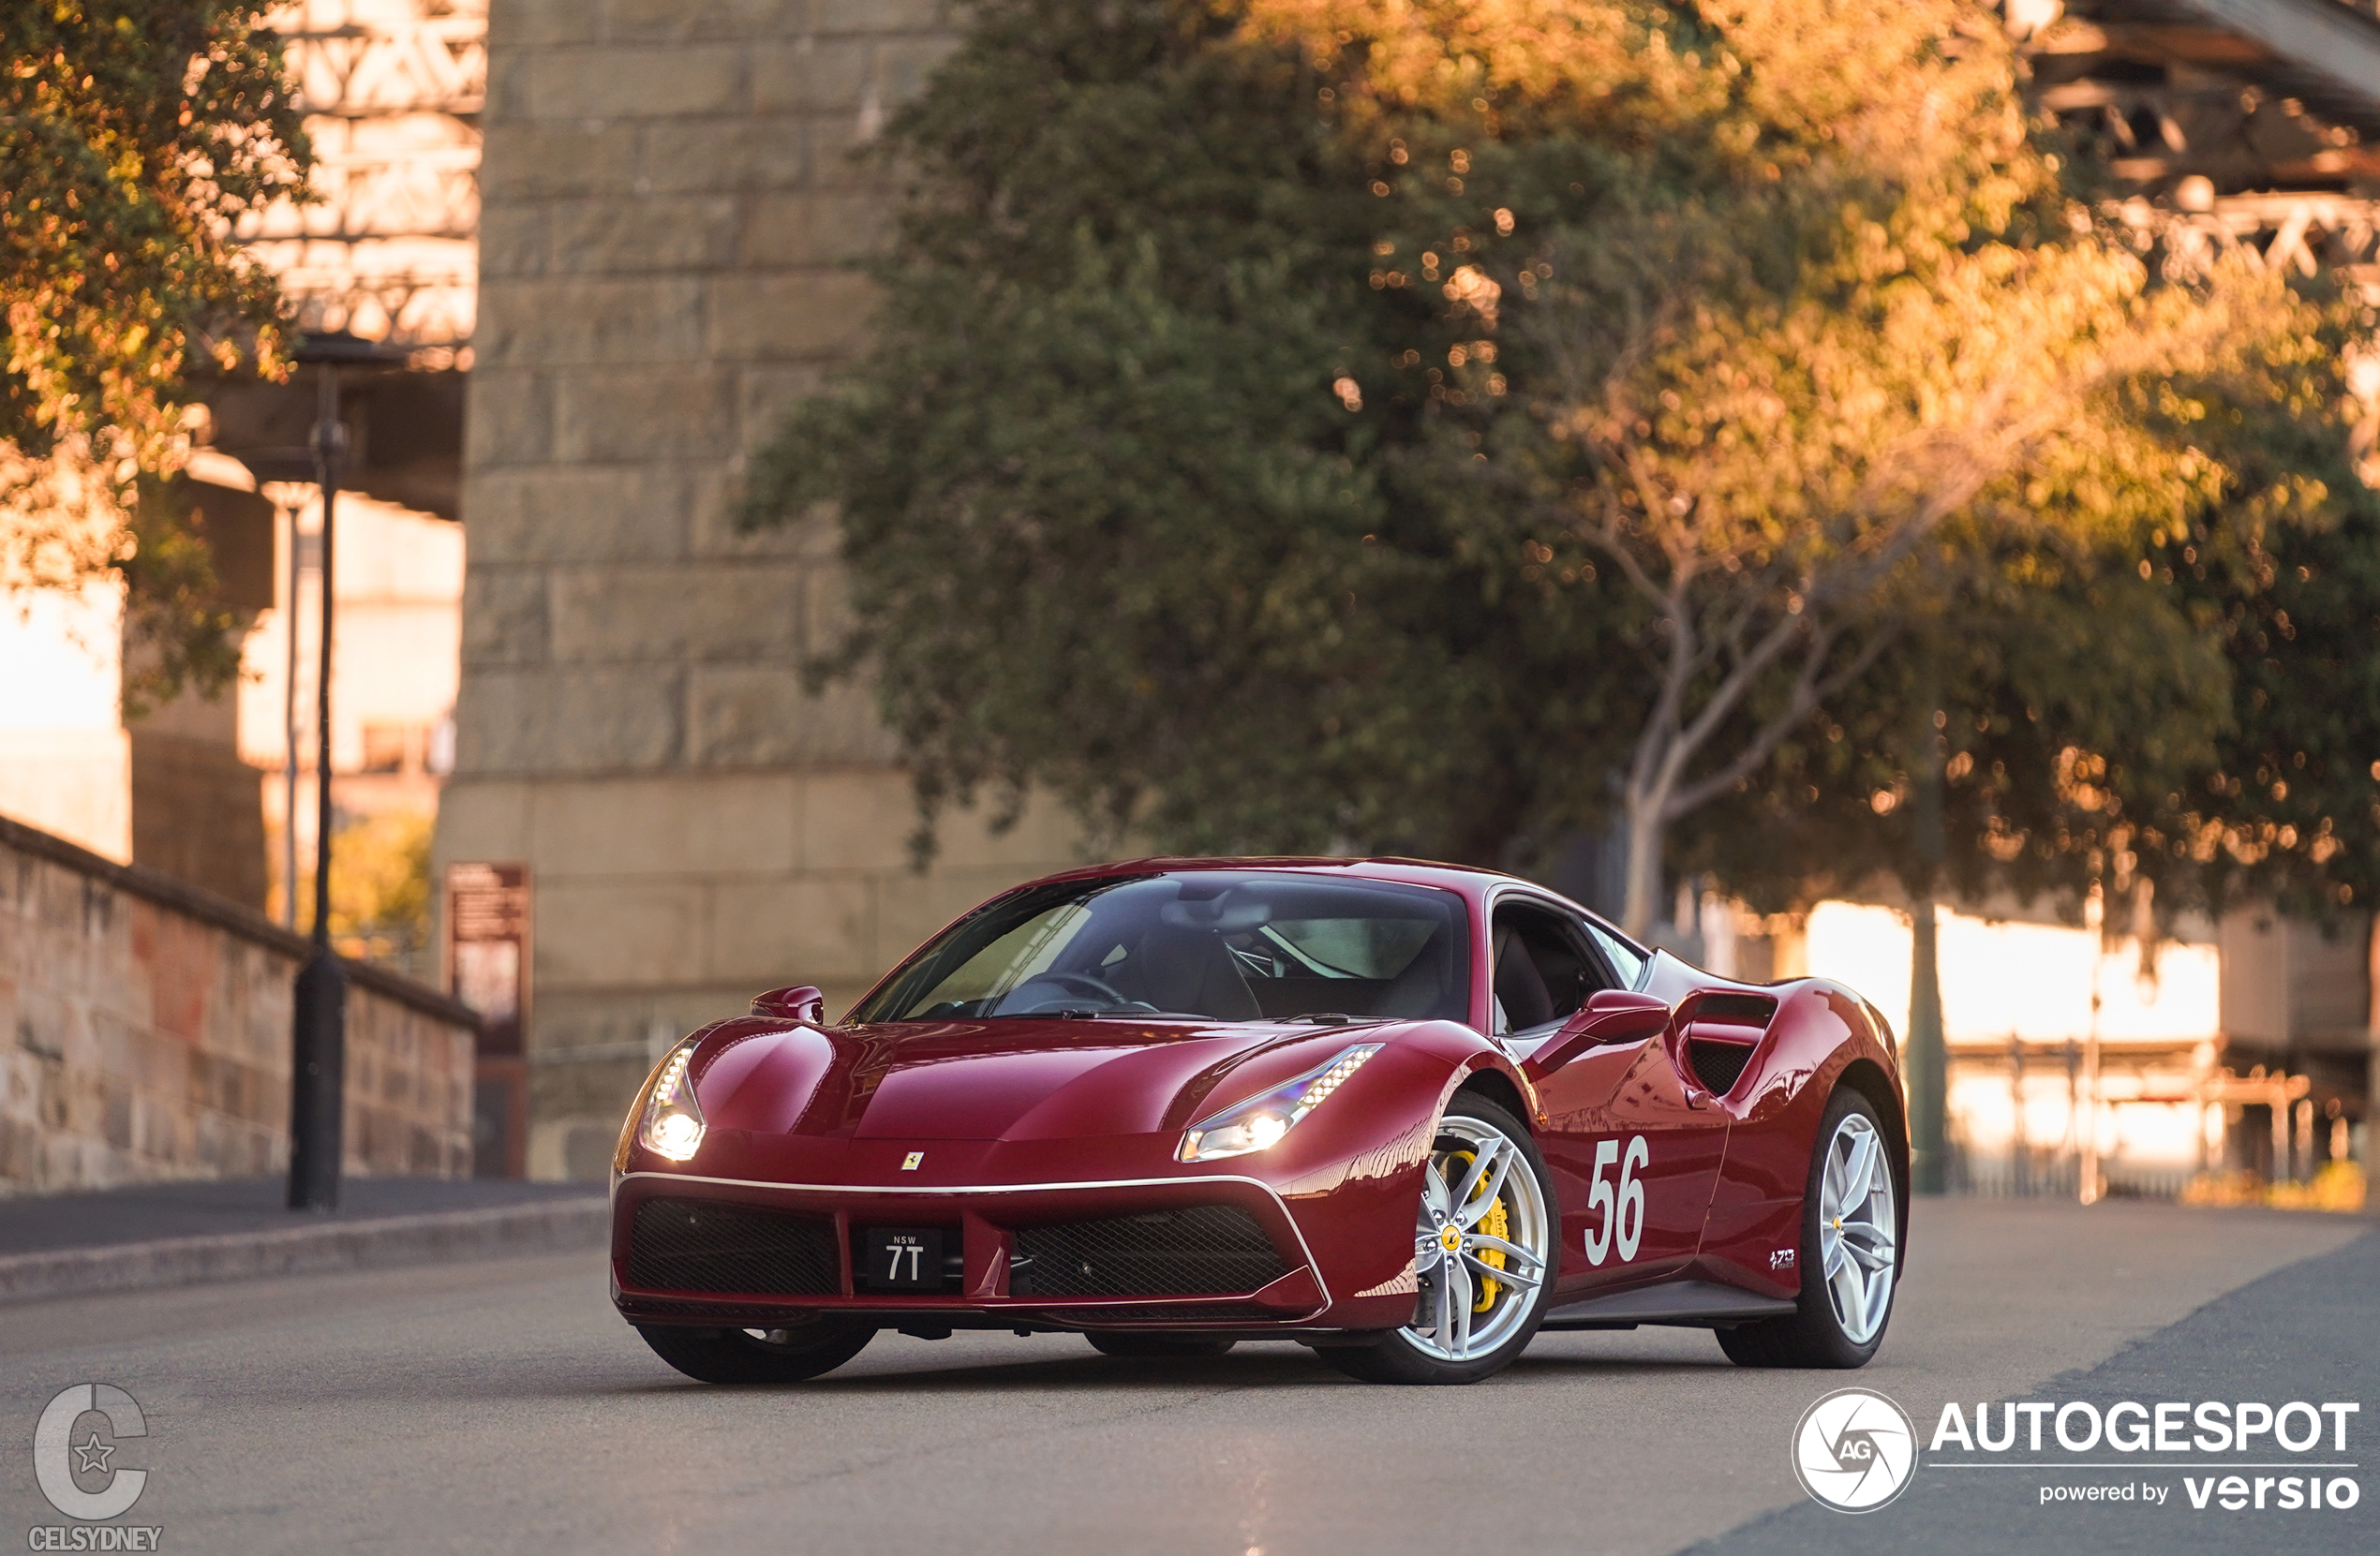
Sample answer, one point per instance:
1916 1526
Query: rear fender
1822 1034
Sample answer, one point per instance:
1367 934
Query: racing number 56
1623 1213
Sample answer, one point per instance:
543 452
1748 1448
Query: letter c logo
52 1452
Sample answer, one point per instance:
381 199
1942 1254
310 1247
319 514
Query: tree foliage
132 134
1347 422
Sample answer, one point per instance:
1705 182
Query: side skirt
1689 1304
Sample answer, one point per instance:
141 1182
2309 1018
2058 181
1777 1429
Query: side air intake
1722 1031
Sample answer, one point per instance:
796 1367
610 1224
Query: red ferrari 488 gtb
1411 1115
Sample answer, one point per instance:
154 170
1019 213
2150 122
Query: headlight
1256 1123
672 1124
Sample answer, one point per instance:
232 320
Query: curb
435 1237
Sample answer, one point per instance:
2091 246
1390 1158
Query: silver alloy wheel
1450 1248
1856 1228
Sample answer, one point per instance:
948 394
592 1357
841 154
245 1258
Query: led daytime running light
1256 1124
673 1125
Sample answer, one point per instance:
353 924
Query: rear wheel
1850 1251
1126 1343
756 1355
1483 1254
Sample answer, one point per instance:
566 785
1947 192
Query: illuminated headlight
1256 1123
672 1124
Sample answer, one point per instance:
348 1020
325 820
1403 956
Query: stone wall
145 1033
669 204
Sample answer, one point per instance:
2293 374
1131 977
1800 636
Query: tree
1334 422
1118 520
1800 370
132 134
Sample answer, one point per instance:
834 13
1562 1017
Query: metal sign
487 968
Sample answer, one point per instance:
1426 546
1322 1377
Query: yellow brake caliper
1495 1224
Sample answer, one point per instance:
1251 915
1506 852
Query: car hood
1015 1079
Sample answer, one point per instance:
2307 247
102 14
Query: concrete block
758 716
765 390
534 23
792 931
861 818
913 907
1044 838
716 524
832 17
618 934
858 818
628 236
634 82
743 154
789 314
812 75
816 230
681 21
533 160
503 616
511 416
578 514
689 612
556 322
594 719
661 413
512 241
690 825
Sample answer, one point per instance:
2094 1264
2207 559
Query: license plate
902 1258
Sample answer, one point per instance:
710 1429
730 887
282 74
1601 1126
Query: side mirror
1609 1016
800 1002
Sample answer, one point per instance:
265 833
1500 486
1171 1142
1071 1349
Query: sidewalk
180 1234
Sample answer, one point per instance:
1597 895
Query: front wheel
1484 1256
756 1355
1850 1251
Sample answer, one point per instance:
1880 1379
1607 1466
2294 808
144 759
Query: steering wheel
1083 982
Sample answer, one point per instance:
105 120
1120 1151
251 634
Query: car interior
1226 947
1544 969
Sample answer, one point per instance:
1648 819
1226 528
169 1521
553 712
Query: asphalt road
502 1406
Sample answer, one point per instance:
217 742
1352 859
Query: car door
1635 1153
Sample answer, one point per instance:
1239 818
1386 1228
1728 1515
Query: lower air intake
1201 1251
693 1245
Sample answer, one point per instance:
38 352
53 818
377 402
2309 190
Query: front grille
1717 1065
1200 1251
693 1245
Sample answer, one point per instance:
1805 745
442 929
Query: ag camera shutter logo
1854 1450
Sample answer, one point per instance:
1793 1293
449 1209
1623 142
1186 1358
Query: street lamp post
317 1068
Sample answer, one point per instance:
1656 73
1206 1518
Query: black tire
739 1356
1393 1358
1814 1337
1124 1342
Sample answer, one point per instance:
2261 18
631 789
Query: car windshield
1220 945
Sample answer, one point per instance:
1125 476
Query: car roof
1469 881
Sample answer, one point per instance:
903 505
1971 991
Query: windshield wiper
1329 1018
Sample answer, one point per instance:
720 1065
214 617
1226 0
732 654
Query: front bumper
1211 1252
